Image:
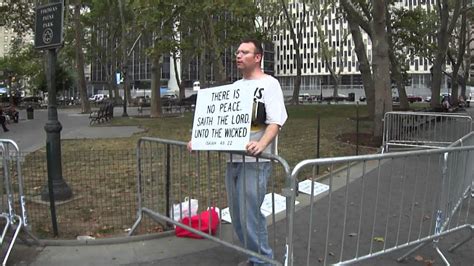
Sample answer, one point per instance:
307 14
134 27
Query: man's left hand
254 148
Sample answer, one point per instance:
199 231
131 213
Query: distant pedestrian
445 103
3 121
13 114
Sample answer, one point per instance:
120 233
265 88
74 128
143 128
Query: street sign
49 26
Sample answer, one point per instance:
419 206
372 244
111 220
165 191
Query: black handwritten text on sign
222 118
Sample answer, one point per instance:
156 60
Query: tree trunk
444 33
467 65
296 89
85 106
295 40
381 67
398 77
155 109
220 76
203 69
124 65
395 66
334 77
184 64
364 68
115 87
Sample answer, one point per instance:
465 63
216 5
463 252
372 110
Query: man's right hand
190 146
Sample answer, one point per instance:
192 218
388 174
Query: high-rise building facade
316 77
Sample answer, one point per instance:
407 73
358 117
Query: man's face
246 58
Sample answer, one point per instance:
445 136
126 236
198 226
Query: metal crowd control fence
12 198
458 187
382 203
419 130
168 173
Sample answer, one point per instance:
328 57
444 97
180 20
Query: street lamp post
53 129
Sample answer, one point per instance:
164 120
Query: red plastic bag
209 220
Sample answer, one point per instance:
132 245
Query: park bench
12 114
104 114
172 110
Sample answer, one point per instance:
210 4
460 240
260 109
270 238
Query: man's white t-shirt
268 108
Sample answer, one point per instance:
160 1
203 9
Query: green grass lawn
103 172
297 138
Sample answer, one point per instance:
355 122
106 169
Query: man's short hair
256 43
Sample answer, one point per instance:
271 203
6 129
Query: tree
103 47
296 37
156 19
371 17
25 63
456 54
328 53
81 82
17 15
448 15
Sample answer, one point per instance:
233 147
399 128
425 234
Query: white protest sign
222 118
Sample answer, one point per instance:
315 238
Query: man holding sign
247 177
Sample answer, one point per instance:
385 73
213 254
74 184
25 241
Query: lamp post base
60 189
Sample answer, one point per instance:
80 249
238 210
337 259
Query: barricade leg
5 228
442 256
15 235
411 251
471 234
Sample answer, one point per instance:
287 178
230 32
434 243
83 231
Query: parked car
33 101
412 98
98 98
340 97
169 99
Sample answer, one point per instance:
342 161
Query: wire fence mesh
104 193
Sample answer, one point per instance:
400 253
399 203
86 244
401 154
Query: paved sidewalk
175 251
30 134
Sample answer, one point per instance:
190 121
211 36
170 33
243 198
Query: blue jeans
246 186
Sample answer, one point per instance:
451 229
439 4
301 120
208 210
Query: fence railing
382 203
418 130
458 188
103 187
12 201
168 173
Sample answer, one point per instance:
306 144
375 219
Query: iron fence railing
103 187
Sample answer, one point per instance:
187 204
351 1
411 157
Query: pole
357 128
318 147
53 127
125 88
124 59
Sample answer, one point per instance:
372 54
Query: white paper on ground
305 187
266 209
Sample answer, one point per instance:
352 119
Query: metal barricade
419 130
458 189
12 197
168 173
382 203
